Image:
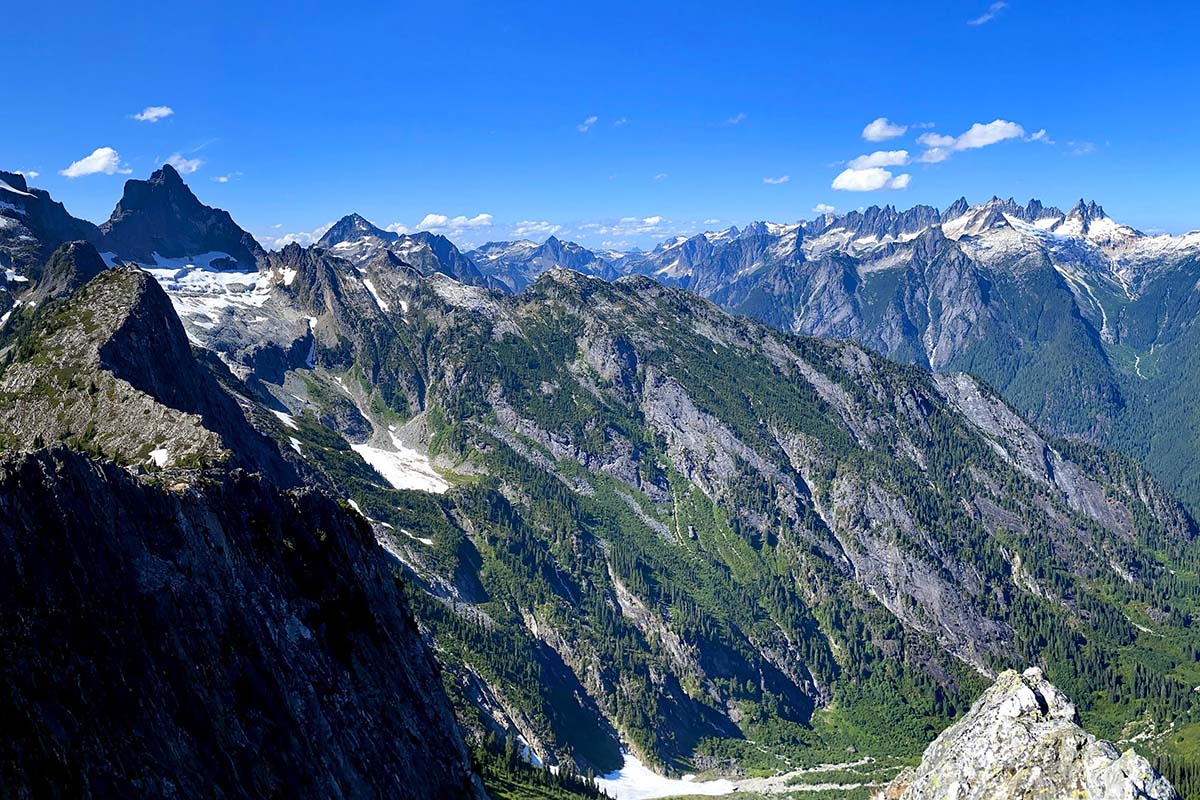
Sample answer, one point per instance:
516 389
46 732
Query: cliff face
1021 740
214 637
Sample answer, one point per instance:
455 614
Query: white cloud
29 173
103 160
662 176
882 129
587 124
1040 136
303 238
654 225
869 180
823 208
935 155
535 228
880 158
185 166
981 134
453 227
620 122
777 181
711 221
935 140
736 119
154 113
1081 148
993 10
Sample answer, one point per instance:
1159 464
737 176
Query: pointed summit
956 209
161 218
352 228
167 174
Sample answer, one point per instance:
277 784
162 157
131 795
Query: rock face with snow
161 216
1021 741
108 368
359 241
32 226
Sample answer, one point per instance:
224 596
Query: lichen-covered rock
1021 741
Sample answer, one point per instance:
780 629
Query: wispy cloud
153 113
458 227
226 178
303 238
869 180
982 134
736 119
1081 148
185 166
779 180
880 158
102 161
882 129
993 11
618 230
29 173
622 121
587 124
662 176
823 208
535 228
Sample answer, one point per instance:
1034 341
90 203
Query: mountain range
626 518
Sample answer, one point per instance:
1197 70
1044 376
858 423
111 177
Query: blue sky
612 124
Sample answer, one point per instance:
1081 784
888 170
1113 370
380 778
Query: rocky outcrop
71 266
110 370
207 636
1021 741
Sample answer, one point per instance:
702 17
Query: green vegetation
600 572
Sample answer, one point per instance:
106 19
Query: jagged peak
167 174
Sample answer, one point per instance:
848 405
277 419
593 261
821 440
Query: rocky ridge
1021 740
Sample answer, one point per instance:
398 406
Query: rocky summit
1021 741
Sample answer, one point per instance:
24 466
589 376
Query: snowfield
403 468
635 781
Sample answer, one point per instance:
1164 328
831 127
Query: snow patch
159 456
403 468
635 781
4 185
286 419
295 443
383 306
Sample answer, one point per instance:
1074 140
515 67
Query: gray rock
1021 741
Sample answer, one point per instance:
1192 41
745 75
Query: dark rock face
32 226
71 266
215 639
161 215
